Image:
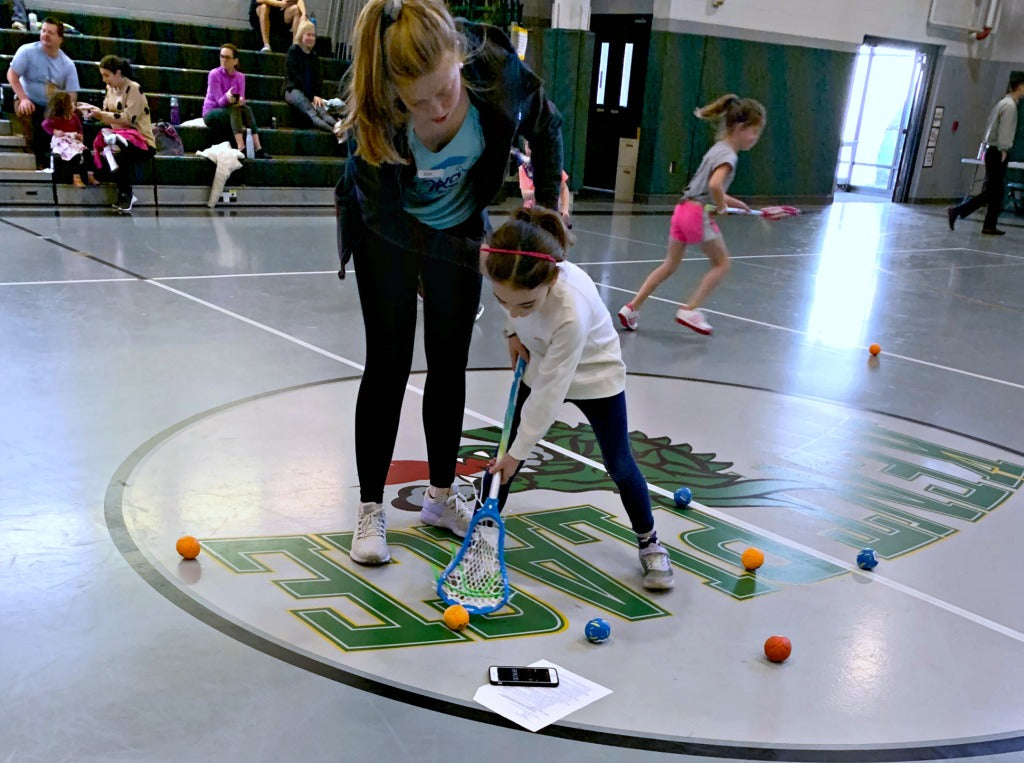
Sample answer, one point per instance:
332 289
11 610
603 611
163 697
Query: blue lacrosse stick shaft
506 428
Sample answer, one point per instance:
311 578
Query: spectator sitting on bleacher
122 125
224 110
303 83
37 70
70 155
277 15
18 15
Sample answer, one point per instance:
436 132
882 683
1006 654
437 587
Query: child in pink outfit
63 124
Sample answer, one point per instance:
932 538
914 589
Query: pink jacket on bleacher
217 85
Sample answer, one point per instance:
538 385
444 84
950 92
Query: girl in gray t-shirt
740 122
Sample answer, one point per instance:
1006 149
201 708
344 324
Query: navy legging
607 417
388 277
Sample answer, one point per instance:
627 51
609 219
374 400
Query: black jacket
302 72
511 102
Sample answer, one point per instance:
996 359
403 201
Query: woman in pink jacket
224 110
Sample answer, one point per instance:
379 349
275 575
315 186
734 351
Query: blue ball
683 497
597 630
866 559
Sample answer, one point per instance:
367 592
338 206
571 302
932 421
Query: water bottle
312 19
175 112
273 123
33 22
250 151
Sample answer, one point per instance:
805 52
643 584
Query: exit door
621 46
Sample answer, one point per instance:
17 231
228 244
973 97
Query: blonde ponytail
415 38
730 110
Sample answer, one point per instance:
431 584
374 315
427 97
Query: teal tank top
440 194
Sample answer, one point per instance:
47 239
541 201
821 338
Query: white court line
896 586
66 282
694 259
800 332
887 251
764 324
247 275
996 254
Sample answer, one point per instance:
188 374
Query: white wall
823 23
847 22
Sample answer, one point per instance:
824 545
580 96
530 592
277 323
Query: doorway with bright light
883 119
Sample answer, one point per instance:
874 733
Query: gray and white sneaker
657 567
369 544
452 512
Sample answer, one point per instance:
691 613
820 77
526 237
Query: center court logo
833 480
269 485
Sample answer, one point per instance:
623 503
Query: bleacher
173 60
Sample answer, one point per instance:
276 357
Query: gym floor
195 373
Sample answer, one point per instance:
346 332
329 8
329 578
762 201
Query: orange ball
456 617
875 349
777 648
188 546
752 558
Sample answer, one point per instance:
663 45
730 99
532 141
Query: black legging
387 278
230 121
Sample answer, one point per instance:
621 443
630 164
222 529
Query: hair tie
537 255
388 16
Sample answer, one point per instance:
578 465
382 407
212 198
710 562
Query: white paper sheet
534 707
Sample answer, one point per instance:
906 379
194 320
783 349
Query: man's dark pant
35 135
992 192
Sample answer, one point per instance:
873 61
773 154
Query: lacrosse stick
768 213
476 578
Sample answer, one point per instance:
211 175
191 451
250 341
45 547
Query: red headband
538 255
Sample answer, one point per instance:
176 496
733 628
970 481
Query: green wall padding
565 64
804 91
670 96
1017 152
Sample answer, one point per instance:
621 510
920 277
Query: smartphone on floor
511 675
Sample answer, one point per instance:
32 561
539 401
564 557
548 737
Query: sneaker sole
659 585
698 329
429 519
625 322
367 561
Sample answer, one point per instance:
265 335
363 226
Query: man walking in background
1002 126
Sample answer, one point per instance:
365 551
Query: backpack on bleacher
168 142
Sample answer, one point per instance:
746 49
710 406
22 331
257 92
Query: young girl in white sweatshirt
557 321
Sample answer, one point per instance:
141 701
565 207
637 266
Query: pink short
692 225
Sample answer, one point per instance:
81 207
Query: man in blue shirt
37 70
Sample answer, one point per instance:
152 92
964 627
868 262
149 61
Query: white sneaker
265 49
452 512
693 319
369 544
657 568
628 317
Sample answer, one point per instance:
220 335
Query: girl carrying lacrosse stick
558 323
740 121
